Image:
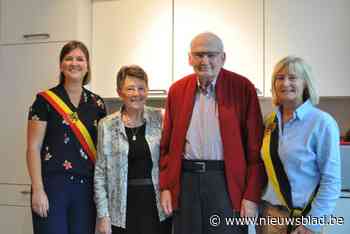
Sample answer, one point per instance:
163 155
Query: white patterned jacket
111 170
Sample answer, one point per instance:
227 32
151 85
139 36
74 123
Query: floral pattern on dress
100 103
47 155
35 117
65 122
85 97
66 138
83 154
67 165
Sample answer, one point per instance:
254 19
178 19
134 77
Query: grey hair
130 70
211 38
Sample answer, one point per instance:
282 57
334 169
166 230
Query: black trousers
204 200
142 214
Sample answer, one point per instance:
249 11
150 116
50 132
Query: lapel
120 129
227 112
149 132
225 109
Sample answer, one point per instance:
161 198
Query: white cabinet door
238 22
15 220
131 32
341 212
316 30
28 21
25 70
15 211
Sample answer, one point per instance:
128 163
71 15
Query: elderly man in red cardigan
210 166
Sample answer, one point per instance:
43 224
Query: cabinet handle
25 192
36 35
157 92
258 91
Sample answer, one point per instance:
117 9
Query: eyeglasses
132 90
290 77
201 55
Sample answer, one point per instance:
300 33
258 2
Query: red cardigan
241 129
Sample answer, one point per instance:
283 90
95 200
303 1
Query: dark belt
202 165
137 182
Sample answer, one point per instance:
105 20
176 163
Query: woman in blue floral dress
61 138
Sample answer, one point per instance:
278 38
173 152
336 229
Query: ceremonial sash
275 170
72 118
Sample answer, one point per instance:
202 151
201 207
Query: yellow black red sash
78 128
275 170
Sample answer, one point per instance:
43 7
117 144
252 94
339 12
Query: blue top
310 153
61 152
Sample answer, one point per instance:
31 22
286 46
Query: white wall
156 35
316 30
256 34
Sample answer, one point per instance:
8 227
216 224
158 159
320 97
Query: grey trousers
204 205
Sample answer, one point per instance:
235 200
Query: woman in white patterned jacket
126 173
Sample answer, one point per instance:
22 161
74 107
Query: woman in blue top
60 166
300 151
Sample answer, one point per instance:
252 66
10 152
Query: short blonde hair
302 70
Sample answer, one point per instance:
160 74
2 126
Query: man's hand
302 230
104 225
165 202
248 209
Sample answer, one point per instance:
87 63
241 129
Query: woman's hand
165 202
104 225
35 136
248 209
40 203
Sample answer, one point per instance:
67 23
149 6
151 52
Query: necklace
131 123
134 126
134 132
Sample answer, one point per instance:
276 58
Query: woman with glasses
127 171
300 152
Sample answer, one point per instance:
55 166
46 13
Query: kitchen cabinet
343 203
131 32
29 65
28 21
25 69
342 212
157 36
316 30
16 220
256 35
238 22
15 209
